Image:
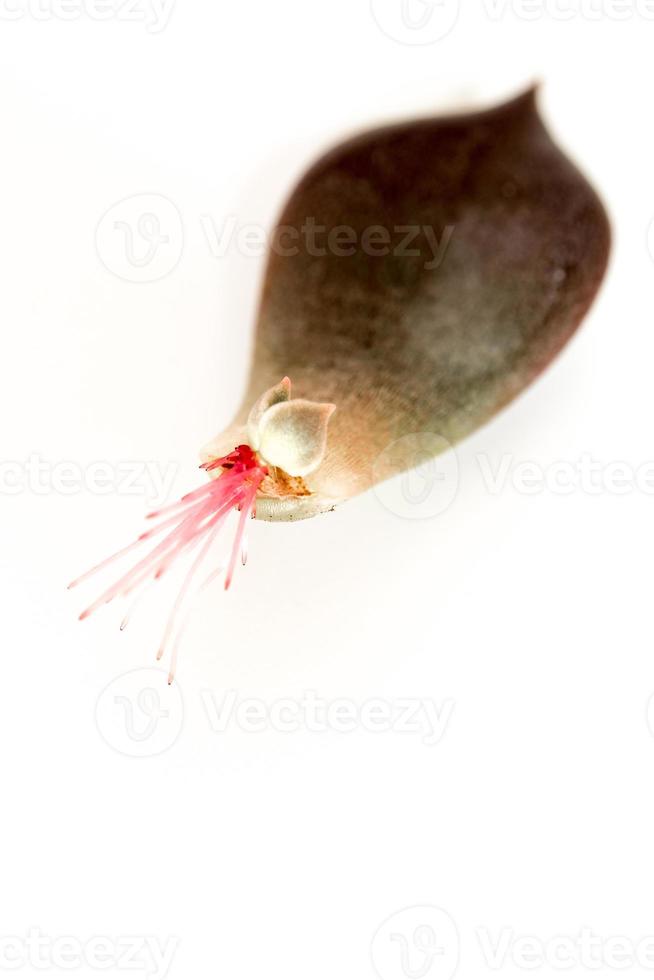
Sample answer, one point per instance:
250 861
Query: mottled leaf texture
464 252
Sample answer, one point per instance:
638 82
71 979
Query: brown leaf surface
510 244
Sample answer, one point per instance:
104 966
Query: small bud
279 393
293 435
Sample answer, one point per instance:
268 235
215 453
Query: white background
280 854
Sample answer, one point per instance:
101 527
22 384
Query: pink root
194 522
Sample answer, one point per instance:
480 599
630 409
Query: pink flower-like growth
193 521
